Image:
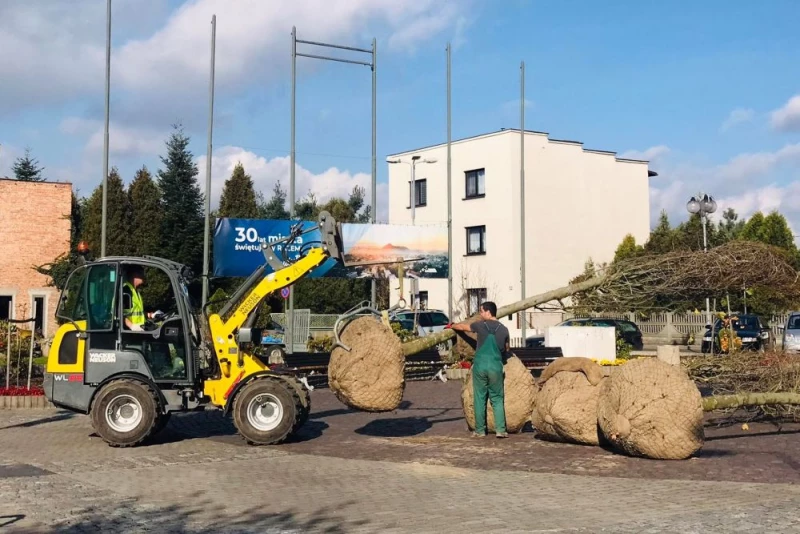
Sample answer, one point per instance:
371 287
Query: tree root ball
565 409
652 409
519 389
371 376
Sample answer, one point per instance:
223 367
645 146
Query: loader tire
305 401
125 413
266 410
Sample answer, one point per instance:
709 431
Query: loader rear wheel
125 413
266 411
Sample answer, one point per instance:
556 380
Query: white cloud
650 154
59 47
733 184
123 141
266 172
8 153
736 117
751 165
787 118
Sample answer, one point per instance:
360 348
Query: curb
25 402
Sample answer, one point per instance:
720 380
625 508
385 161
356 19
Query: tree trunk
719 402
423 343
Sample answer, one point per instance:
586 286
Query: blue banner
237 245
370 250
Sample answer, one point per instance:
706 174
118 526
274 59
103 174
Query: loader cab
95 342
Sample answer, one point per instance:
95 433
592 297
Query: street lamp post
705 206
413 163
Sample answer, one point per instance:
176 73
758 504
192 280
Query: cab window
100 292
72 306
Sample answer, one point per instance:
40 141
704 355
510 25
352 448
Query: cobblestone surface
409 471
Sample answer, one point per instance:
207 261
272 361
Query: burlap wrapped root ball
565 409
519 388
370 377
652 409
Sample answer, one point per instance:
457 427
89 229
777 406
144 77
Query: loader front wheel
266 410
125 413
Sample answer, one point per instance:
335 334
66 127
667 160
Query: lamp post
413 163
704 205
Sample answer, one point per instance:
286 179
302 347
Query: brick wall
34 230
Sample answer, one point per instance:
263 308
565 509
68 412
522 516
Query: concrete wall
34 230
579 204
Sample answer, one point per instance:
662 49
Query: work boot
502 435
477 435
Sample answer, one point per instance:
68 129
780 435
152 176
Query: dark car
754 333
627 330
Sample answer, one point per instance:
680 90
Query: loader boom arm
228 335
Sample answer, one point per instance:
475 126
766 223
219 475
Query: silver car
791 333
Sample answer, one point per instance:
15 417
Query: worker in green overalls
487 368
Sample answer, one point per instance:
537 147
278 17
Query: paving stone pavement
56 477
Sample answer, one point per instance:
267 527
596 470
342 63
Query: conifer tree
26 168
182 222
117 218
146 215
276 207
238 199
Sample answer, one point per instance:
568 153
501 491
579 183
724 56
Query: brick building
34 230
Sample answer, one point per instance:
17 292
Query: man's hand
136 327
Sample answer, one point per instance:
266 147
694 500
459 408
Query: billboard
237 248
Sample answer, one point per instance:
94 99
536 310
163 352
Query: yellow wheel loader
129 371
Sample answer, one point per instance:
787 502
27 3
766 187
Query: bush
320 344
14 391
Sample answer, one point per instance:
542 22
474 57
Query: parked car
754 333
427 321
273 337
791 333
627 330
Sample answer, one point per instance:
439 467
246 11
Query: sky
708 91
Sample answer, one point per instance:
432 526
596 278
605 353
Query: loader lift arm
227 335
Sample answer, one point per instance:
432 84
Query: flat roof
7 179
533 132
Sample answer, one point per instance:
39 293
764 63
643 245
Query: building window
476 240
39 318
419 193
6 301
475 297
476 187
422 300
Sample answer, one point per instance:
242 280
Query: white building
579 205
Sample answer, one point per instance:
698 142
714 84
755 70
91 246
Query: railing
661 327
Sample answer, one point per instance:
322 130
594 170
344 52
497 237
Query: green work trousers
487 383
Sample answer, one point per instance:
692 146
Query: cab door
86 314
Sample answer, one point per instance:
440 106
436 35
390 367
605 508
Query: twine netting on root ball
370 377
652 409
565 408
519 389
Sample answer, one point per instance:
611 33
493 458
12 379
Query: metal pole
8 345
30 352
373 212
206 230
413 192
705 249
290 308
449 201
522 193
105 132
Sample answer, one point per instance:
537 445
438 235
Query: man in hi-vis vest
133 307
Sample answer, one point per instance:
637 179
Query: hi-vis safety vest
136 311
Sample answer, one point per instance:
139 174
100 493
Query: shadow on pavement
52 419
6 520
199 518
400 427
